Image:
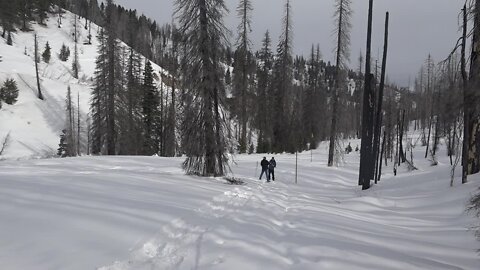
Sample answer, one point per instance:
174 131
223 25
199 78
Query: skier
271 169
264 164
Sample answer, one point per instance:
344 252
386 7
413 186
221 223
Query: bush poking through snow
9 92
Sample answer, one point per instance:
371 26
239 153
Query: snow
144 213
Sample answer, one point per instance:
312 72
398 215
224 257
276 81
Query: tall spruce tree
112 54
98 103
241 66
282 88
151 114
264 82
201 22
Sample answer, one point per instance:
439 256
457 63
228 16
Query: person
264 165
271 169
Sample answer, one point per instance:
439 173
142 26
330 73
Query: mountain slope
35 125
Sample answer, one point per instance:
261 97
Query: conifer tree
98 102
282 88
9 92
62 146
64 53
241 67
151 114
264 101
46 53
201 22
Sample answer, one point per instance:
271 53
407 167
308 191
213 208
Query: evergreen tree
70 126
9 38
150 106
314 101
282 88
9 92
64 53
8 17
201 22
263 117
46 53
112 88
75 62
241 67
99 97
25 11
42 8
62 146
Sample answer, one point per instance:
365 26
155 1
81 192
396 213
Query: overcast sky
417 28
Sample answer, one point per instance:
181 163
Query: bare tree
36 60
343 14
367 163
5 143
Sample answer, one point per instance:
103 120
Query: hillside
35 125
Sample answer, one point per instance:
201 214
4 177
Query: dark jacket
272 165
264 164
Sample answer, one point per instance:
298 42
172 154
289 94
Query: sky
417 28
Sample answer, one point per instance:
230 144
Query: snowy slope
35 125
144 213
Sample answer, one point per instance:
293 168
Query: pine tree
46 53
150 111
9 38
98 102
282 88
26 8
64 53
201 22
42 8
75 63
8 17
62 146
241 69
9 92
70 126
264 100
112 88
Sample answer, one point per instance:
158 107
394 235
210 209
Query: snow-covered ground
144 213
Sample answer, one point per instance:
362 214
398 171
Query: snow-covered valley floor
144 213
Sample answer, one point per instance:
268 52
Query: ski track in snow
179 243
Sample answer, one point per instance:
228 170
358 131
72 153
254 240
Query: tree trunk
40 95
333 127
379 118
466 105
366 158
